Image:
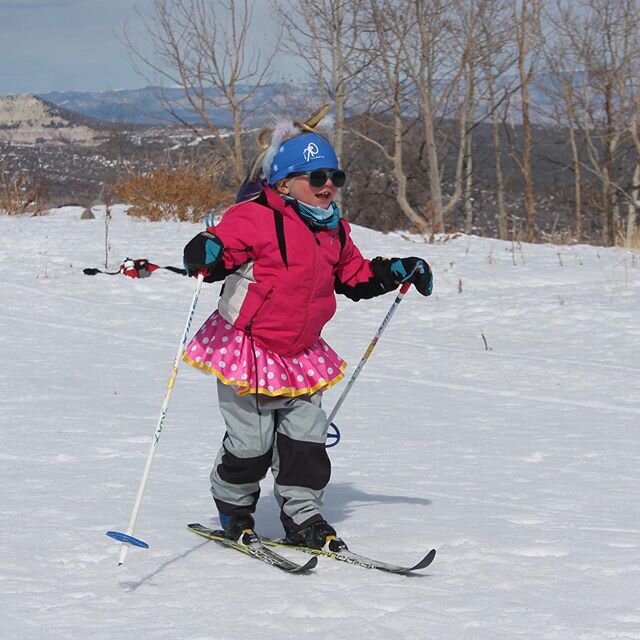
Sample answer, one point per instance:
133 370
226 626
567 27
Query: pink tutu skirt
235 359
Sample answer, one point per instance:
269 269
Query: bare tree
468 184
426 60
561 62
526 18
603 47
424 68
481 33
444 55
204 48
634 199
323 35
463 21
499 84
436 66
388 27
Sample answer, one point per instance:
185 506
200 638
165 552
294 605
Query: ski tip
124 537
196 527
307 566
425 562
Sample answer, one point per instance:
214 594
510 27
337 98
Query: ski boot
319 535
239 528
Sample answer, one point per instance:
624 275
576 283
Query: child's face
300 189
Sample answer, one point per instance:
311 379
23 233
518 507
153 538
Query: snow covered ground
497 420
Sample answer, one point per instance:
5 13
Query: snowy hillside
26 119
497 420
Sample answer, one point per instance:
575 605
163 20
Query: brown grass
20 194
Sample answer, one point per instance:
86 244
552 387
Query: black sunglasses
319 177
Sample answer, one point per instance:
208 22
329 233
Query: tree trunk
502 208
401 179
608 214
435 188
525 27
577 180
238 159
632 210
468 185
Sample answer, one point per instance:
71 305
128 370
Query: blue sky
52 45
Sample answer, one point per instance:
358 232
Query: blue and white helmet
304 152
295 147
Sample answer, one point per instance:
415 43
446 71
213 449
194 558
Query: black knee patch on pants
236 510
302 464
236 470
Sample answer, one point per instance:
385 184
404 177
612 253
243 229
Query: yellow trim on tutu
287 392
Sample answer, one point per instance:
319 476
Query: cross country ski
252 546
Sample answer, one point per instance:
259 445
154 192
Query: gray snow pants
287 435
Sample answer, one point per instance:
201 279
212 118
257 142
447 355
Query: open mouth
324 196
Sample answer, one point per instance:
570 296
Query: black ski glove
202 253
414 270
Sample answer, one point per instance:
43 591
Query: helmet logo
311 151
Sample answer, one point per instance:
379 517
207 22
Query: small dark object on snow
139 268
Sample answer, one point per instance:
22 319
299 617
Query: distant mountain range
147 105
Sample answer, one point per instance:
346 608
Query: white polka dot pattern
312 370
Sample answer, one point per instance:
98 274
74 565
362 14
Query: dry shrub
20 194
182 190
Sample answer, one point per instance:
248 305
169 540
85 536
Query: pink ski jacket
283 296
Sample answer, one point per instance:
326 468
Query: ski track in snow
497 421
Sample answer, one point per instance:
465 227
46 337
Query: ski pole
372 345
128 536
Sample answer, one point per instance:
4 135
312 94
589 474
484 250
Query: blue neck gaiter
317 217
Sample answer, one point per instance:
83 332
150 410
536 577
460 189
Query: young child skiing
282 255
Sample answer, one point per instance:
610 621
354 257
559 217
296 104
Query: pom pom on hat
283 129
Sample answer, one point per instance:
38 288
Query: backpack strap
342 234
278 220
